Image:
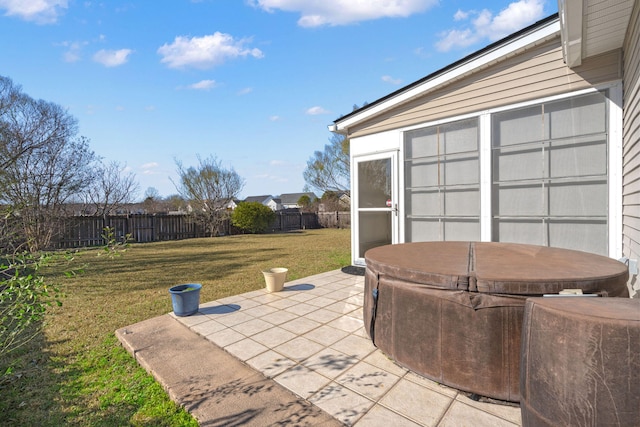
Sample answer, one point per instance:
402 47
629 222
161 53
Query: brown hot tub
453 311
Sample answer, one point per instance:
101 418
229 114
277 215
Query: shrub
25 295
253 217
24 298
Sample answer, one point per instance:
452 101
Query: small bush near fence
253 217
84 231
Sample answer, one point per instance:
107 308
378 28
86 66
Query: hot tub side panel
467 341
481 335
370 283
581 362
409 328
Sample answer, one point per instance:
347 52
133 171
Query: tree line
46 167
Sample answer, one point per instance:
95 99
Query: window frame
613 99
444 188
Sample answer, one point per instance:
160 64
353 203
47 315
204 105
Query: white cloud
38 11
149 168
456 38
315 13
314 111
245 91
74 50
485 25
112 58
205 52
516 16
389 79
460 15
274 118
203 85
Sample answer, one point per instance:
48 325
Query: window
442 195
550 174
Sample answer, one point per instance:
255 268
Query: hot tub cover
502 268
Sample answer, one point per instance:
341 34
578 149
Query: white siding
631 148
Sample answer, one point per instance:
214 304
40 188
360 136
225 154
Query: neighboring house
233 204
344 198
260 199
271 202
341 202
275 203
533 139
290 201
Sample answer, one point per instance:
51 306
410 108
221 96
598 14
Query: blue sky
252 82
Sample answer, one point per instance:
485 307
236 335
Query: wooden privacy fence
287 221
338 219
83 231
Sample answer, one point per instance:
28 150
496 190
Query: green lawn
76 372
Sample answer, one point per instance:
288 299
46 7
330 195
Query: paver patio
310 339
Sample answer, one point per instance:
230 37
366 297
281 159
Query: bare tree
328 170
43 164
114 186
152 200
27 124
208 188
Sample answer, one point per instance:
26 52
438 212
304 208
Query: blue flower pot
185 298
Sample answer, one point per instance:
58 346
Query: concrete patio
310 339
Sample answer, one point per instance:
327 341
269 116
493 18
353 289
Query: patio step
215 387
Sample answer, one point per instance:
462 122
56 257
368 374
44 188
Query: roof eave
542 30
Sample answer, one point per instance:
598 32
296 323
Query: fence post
154 229
130 227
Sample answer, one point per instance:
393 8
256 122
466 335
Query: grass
76 372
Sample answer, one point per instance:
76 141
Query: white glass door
375 203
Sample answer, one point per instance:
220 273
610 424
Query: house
260 199
532 139
232 204
274 203
290 201
344 198
335 201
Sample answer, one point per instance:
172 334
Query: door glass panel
375 204
375 230
374 183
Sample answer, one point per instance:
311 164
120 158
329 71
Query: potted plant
185 298
275 278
